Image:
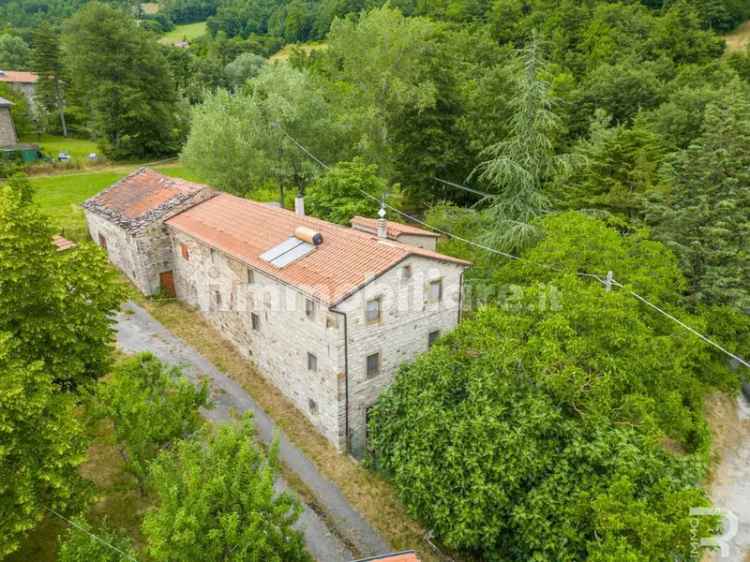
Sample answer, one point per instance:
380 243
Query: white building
327 313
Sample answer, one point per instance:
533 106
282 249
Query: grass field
189 31
79 149
60 196
739 38
284 53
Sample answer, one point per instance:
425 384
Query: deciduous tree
122 83
42 445
150 406
216 502
84 543
58 307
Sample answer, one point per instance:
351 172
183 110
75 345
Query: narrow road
731 488
327 539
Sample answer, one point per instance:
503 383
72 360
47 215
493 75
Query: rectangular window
312 362
406 273
255 320
312 405
185 252
212 253
217 299
250 276
432 338
436 291
103 241
373 311
373 365
310 308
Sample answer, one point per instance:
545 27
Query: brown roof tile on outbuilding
345 261
141 198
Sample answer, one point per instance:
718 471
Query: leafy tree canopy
58 307
43 446
78 544
337 196
704 216
537 431
121 81
15 54
150 406
216 502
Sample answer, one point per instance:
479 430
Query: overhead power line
607 283
100 540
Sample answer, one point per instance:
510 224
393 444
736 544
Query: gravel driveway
327 539
730 490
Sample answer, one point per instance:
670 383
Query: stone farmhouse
327 313
8 135
24 82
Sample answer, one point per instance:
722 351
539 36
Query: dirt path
327 537
730 489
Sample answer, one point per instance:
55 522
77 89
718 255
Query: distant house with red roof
24 82
327 313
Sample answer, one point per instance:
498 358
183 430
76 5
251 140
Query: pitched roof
406 556
394 229
141 198
5 103
345 261
18 76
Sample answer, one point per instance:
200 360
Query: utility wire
469 189
93 536
608 282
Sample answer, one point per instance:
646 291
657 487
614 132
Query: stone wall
143 253
408 317
217 285
122 249
7 129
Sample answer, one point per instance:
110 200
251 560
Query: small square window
436 291
406 273
312 405
373 311
185 252
255 320
432 338
373 365
250 276
312 362
310 308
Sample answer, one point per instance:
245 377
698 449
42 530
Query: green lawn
60 196
739 39
79 149
189 31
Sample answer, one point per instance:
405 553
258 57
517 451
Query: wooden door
167 284
103 242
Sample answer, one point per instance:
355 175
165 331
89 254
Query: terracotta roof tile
394 229
142 197
345 261
62 244
18 76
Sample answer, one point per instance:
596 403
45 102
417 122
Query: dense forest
555 141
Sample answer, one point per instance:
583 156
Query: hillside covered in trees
591 158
